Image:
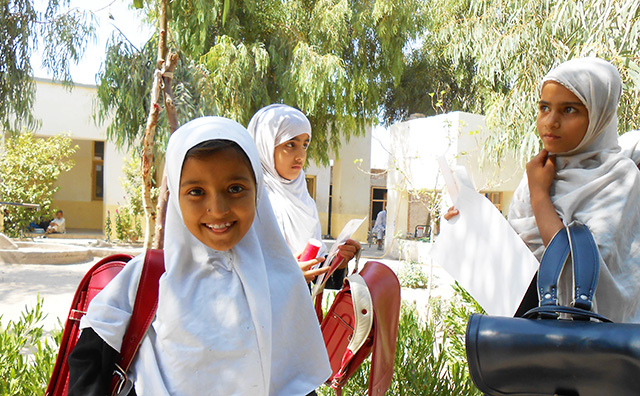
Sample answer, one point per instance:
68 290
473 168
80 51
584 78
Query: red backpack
143 313
362 321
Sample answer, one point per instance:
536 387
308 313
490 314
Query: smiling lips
550 136
219 228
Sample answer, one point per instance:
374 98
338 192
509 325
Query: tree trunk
172 117
148 140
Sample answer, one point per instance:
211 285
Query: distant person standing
57 225
380 226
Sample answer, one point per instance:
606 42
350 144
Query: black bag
557 350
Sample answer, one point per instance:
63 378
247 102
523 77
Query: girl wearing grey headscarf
591 182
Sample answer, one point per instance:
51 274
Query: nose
553 120
301 155
217 204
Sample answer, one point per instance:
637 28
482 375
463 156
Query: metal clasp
124 385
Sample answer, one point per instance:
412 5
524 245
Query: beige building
342 190
93 185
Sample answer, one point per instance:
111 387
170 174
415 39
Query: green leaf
138 4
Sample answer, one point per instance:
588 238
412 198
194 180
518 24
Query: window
97 171
311 185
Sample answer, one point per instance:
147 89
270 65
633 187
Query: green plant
27 353
411 275
107 226
127 225
430 358
29 168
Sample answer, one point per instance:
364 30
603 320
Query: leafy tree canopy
513 44
63 34
333 59
30 167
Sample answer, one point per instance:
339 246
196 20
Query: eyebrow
563 103
232 179
297 139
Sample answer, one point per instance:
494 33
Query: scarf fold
597 185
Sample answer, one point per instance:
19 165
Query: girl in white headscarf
234 314
282 135
581 175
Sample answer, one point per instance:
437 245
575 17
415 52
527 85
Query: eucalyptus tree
514 43
60 32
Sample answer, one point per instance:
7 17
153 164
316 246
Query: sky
127 20
130 22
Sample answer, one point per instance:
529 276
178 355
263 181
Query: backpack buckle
124 384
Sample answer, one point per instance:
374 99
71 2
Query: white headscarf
630 145
238 322
295 210
598 186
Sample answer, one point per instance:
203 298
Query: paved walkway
20 285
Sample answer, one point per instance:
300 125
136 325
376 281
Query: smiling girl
581 175
234 316
282 135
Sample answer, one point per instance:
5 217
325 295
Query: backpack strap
144 310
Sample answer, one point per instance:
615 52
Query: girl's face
562 118
218 198
289 157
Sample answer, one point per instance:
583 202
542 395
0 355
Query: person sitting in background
57 225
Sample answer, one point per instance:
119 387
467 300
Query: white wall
415 146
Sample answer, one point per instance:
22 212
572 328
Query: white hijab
238 322
295 210
598 186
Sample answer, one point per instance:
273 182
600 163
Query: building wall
351 185
415 146
62 111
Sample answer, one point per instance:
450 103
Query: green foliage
429 360
513 44
108 227
411 275
333 59
127 226
63 34
29 167
27 354
124 93
132 185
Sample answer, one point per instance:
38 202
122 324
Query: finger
315 272
304 265
451 214
354 243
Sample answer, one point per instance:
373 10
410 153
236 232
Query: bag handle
554 310
144 310
577 240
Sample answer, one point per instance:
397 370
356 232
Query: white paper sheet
348 230
484 254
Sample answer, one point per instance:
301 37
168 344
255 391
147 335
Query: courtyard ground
20 284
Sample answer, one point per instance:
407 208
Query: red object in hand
311 250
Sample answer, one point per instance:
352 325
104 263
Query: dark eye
236 189
543 108
196 192
305 146
290 145
570 110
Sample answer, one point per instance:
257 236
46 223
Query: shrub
430 355
27 354
28 170
411 275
